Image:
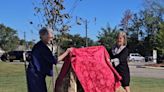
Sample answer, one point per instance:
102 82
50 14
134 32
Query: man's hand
61 57
69 50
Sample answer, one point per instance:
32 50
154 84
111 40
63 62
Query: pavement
137 69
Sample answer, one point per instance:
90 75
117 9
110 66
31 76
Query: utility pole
24 58
25 40
86 32
85 22
24 35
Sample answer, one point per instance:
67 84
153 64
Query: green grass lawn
147 85
12 79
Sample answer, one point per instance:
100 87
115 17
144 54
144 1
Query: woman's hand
115 61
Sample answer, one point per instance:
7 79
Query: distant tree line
145 29
9 39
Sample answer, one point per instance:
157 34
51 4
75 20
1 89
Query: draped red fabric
92 68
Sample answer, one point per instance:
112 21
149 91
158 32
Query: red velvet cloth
92 68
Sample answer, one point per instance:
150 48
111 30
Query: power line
85 21
75 4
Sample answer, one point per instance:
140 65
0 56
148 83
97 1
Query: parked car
148 58
15 55
4 57
160 59
136 57
28 56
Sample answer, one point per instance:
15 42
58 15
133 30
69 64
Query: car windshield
135 54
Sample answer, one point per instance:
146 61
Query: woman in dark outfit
119 54
42 62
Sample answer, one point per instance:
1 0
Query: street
136 70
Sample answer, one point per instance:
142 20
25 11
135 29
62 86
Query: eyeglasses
50 37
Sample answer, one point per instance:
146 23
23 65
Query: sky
18 13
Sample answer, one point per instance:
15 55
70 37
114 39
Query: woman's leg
127 88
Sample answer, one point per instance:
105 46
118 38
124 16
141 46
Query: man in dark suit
42 62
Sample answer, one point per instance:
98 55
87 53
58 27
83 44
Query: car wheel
133 60
143 60
11 60
3 59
